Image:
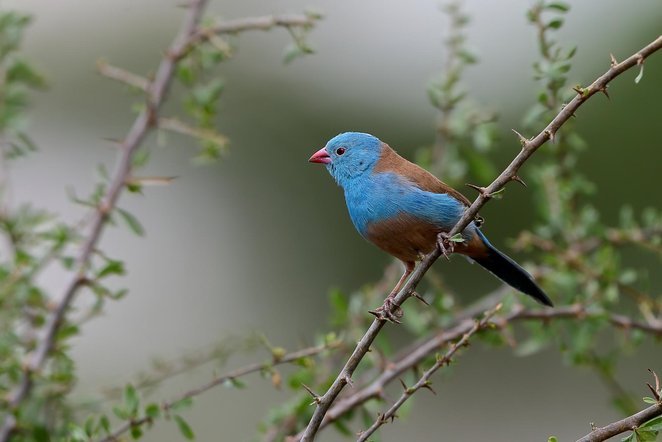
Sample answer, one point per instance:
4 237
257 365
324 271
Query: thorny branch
424 381
427 347
630 423
529 146
156 91
219 380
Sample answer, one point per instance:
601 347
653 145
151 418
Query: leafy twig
144 122
229 377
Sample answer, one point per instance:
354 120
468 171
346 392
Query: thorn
656 390
348 380
404 386
420 298
580 91
522 139
428 385
479 189
613 60
518 179
316 398
656 395
116 141
603 89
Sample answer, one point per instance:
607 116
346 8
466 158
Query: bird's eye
340 151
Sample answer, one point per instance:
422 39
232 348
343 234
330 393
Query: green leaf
234 383
181 404
184 427
644 435
629 438
121 413
132 222
104 423
650 400
153 410
654 424
457 238
559 6
552 439
131 400
112 267
136 432
555 24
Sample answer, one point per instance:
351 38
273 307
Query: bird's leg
389 311
445 244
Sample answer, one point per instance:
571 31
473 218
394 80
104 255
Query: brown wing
392 162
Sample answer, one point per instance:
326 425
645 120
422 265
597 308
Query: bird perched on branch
406 211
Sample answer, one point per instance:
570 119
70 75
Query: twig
264 23
528 148
630 423
243 371
431 344
157 91
424 381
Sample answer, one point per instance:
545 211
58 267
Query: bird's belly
404 237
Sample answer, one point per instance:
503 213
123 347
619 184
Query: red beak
321 156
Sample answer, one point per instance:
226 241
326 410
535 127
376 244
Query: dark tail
511 273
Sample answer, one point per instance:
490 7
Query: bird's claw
445 244
388 312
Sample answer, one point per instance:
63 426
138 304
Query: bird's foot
445 244
388 311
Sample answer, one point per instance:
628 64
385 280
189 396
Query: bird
406 211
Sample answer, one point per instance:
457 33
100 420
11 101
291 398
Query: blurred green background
255 241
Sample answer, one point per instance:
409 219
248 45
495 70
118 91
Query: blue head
349 156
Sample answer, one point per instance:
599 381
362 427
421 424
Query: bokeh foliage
576 256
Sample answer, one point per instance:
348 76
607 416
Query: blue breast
379 196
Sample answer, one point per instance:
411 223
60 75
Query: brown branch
430 345
157 91
509 174
630 423
243 371
424 381
264 23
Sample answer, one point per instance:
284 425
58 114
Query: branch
252 368
144 122
424 381
630 423
431 344
263 23
509 174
